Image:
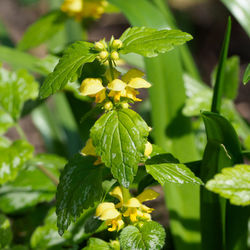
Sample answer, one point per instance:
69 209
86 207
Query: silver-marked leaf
31 186
172 173
151 235
120 137
42 30
150 42
73 58
233 183
15 89
13 158
5 231
80 186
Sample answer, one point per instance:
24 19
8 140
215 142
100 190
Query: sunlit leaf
120 137
150 42
151 235
232 183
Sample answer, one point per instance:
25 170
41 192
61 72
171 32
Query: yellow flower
93 87
148 149
73 8
126 87
89 149
117 193
84 8
107 212
136 209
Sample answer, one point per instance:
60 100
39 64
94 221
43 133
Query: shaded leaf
150 42
73 58
42 30
151 235
120 137
15 89
31 186
80 186
13 158
233 183
5 231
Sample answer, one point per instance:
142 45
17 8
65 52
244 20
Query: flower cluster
80 9
125 87
115 215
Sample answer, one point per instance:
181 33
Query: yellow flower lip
91 86
133 203
132 73
147 195
117 85
138 83
89 148
148 149
107 211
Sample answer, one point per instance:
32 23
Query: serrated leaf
149 236
73 58
150 42
15 89
5 231
13 158
31 186
233 183
80 186
172 173
42 30
120 137
95 243
246 77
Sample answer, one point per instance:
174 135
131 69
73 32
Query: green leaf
80 186
31 186
73 58
13 158
95 243
151 235
220 76
231 77
120 137
150 42
241 11
246 77
15 89
42 30
233 183
5 232
172 173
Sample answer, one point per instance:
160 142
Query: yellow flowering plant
118 155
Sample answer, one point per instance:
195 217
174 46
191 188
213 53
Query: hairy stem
48 174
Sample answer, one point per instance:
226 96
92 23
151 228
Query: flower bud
103 55
124 105
100 46
114 55
117 44
108 105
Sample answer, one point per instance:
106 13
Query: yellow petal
102 207
138 83
108 74
132 73
148 149
98 161
115 94
100 96
110 213
94 9
89 148
131 94
146 209
72 6
147 195
117 85
133 202
91 86
117 193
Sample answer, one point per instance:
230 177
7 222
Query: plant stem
21 132
48 174
111 69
